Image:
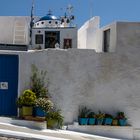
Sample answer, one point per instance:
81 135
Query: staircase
20 31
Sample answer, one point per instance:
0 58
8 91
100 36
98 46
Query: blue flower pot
100 121
122 122
83 121
108 121
91 121
39 112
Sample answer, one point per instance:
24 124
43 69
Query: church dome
49 21
49 17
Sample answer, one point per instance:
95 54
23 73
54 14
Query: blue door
8 84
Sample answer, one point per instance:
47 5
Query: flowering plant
27 98
100 115
121 115
44 103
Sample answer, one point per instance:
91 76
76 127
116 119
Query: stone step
119 132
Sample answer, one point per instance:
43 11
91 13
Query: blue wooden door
8 84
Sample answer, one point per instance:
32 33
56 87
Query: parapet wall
101 81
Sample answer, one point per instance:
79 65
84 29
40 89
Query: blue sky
108 10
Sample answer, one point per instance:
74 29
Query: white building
46 32
14 32
49 30
91 36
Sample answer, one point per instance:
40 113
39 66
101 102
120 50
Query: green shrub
26 99
121 115
91 115
38 82
55 114
109 116
84 112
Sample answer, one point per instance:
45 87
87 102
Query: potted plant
42 106
108 119
115 121
54 119
38 82
100 118
121 118
27 101
83 114
91 118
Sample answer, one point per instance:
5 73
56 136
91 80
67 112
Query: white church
22 33
93 66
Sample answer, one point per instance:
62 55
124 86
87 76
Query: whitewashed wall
101 81
106 82
82 36
88 34
65 33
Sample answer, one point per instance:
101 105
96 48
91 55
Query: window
67 43
106 40
39 39
42 22
50 22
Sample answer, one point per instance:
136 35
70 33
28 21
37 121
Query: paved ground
23 133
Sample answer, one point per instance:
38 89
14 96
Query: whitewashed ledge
120 132
25 123
30 124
